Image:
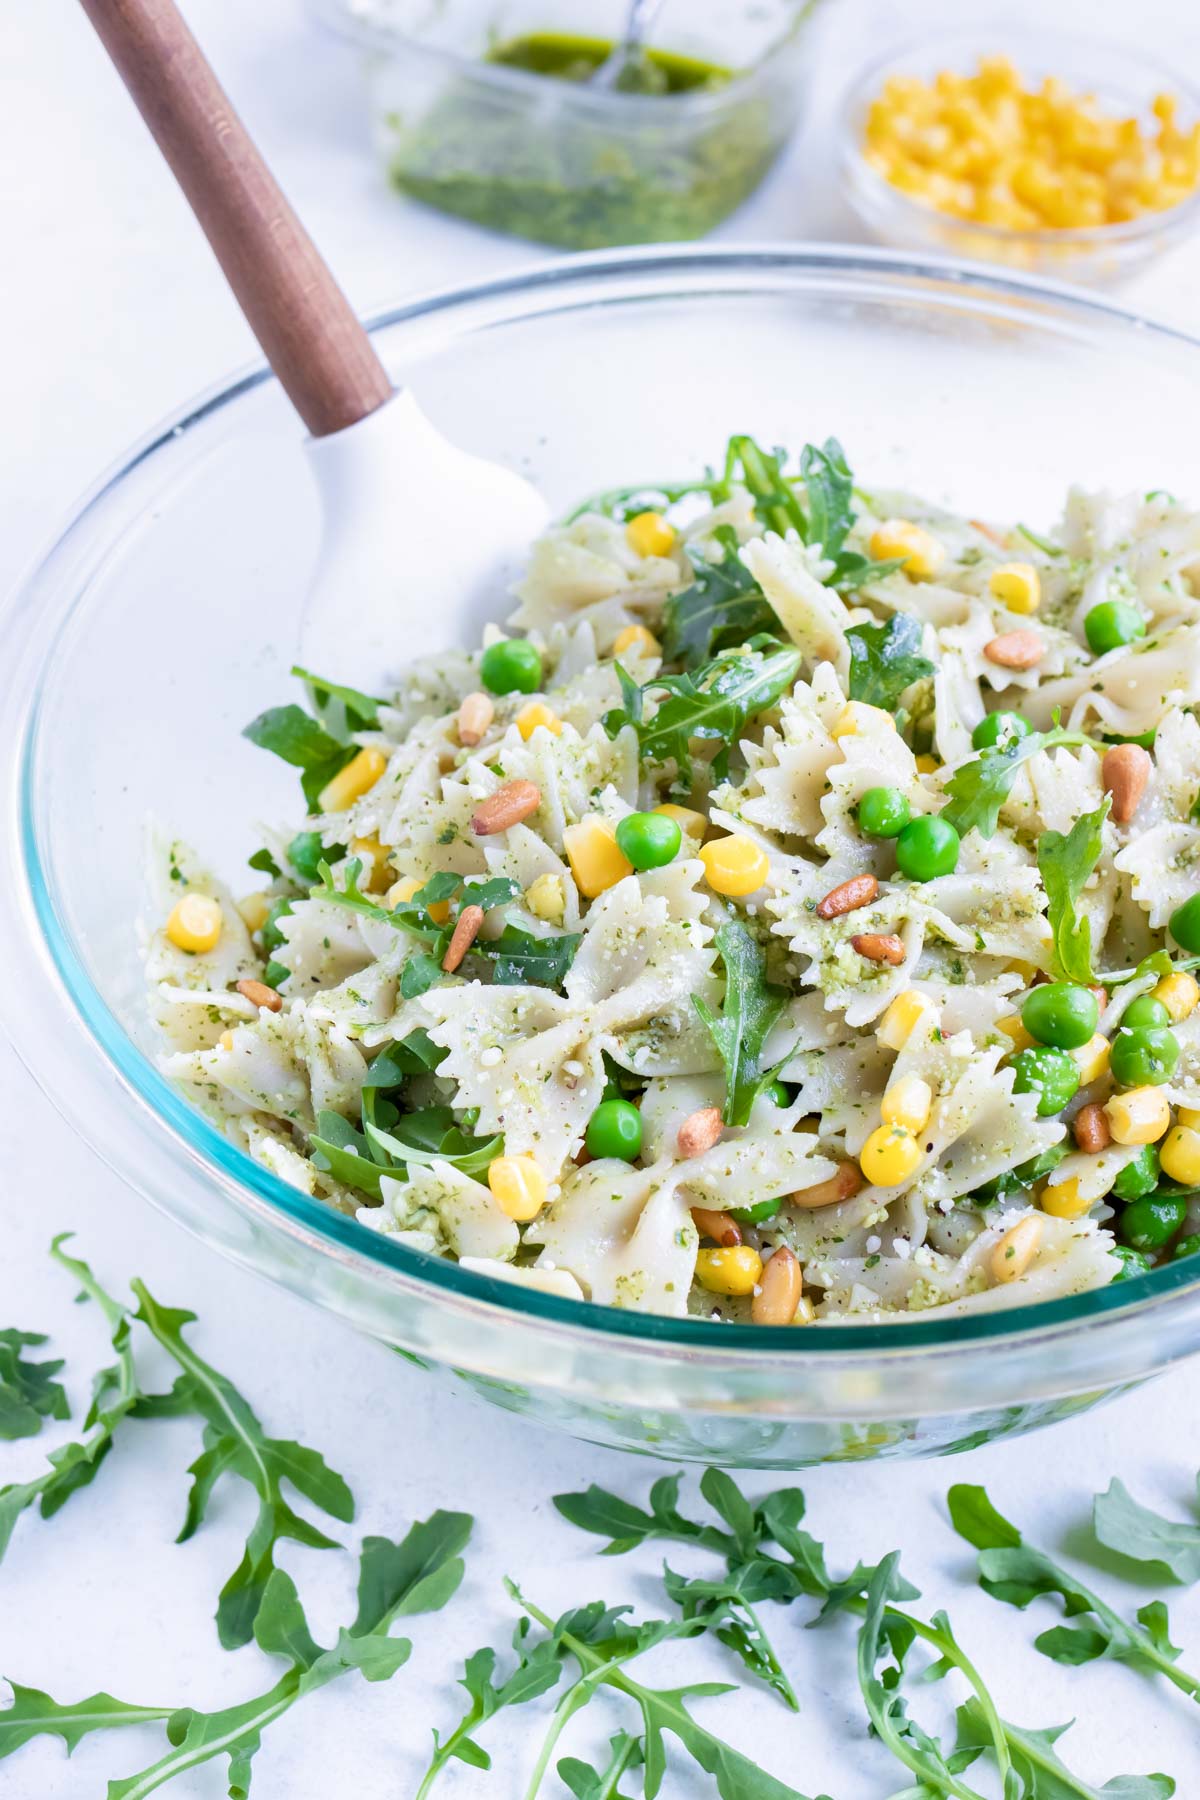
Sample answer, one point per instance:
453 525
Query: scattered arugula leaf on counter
712 705
1066 864
1038 1773
538 1668
291 733
1123 1524
29 1394
979 788
34 1714
1018 1573
342 710
723 606
749 1012
885 660
586 1782
235 1444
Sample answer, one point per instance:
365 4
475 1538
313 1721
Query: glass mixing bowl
164 618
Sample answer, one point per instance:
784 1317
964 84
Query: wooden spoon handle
321 354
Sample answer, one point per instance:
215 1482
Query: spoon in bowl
628 53
414 530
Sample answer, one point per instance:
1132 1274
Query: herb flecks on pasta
809 873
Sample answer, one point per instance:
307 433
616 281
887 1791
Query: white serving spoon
415 532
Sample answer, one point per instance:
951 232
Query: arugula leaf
339 1150
417 1054
265 863
589 1783
34 1714
1038 1768
291 733
537 1669
748 1014
432 1134
342 710
627 1526
235 1444
1017 1573
885 660
723 607
29 1394
519 957
726 1606
776 502
1123 1524
829 496
1065 865
979 788
713 705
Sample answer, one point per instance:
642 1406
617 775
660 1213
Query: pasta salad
793 919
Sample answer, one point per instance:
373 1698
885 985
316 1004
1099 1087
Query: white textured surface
111 313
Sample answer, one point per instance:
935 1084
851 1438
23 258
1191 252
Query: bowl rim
324 1229
869 76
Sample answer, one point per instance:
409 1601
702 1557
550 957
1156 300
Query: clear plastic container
562 161
166 615
1122 79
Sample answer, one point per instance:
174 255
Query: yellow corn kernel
859 715
1091 1059
692 824
889 1156
1065 1201
596 863
546 899
254 909
518 1187
927 765
637 638
1013 1028
225 1041
1140 1116
650 535
902 1018
806 1312
1180 1155
907 1104
535 714
1190 1116
1017 585
1179 993
734 866
372 851
922 554
352 782
405 888
195 923
736 1270
1017 1248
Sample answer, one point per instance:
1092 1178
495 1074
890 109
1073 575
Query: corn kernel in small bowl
1048 153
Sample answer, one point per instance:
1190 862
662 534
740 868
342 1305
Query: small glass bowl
566 163
1122 80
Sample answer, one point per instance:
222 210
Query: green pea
511 666
615 1129
1139 1176
1050 1074
779 1094
648 840
926 848
999 725
1146 1010
1151 1222
1111 624
1185 925
1144 1056
1133 1262
272 937
1061 1013
1187 1246
274 973
883 812
756 1215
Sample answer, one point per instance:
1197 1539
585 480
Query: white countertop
112 313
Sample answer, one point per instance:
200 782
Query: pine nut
474 716
780 1287
880 947
860 890
259 994
507 806
466 930
716 1225
700 1131
1090 1127
988 531
1015 650
1017 1249
1125 771
842 1186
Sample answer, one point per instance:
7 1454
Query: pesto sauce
563 175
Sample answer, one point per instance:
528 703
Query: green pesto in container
562 171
